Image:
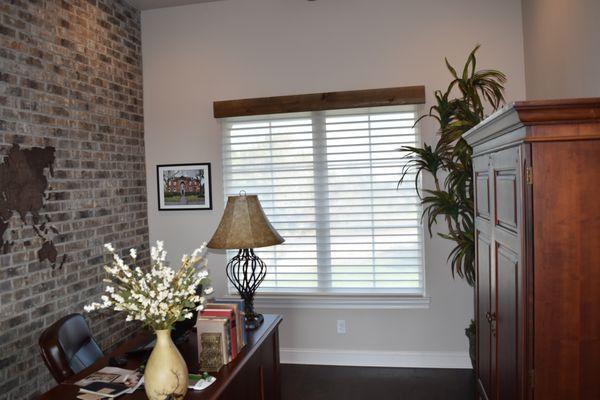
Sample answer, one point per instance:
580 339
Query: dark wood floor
316 382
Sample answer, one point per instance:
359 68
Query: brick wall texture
71 78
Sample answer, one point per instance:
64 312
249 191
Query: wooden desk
253 375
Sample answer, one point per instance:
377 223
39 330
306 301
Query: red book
230 315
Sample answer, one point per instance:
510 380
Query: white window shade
328 181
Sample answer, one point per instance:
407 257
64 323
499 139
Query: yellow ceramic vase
166 373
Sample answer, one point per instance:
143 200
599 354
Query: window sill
355 302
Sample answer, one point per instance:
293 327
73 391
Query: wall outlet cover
341 326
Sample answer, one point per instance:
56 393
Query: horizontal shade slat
276 271
310 161
229 169
365 154
368 269
374 290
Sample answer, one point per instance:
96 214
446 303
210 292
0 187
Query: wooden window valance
320 101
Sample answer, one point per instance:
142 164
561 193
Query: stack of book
221 333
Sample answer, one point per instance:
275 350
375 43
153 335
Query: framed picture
184 187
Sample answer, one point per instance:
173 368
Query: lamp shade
244 225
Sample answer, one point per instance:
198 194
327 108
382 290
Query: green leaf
451 69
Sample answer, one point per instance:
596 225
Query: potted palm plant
459 108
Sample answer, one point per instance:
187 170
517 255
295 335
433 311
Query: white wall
562 48
233 49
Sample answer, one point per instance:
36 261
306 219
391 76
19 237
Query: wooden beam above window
320 101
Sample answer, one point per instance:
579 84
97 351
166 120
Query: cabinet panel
482 195
506 199
507 247
269 369
567 269
484 343
259 380
507 322
246 385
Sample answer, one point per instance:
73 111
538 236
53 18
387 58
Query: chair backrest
68 347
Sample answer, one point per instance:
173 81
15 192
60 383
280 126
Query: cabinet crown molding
534 113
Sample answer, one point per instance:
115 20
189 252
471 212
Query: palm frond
420 159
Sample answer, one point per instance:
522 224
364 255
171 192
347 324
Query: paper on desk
89 396
123 375
203 383
106 374
137 385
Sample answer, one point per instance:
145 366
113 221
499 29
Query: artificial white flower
157 296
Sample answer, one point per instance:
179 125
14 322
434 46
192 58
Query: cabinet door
485 277
500 283
507 317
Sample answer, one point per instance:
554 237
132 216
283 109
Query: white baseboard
397 359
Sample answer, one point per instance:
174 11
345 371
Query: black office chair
68 347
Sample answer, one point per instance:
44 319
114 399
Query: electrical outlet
341 326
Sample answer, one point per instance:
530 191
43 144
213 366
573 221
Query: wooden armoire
537 217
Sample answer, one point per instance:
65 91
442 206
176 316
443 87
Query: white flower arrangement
158 297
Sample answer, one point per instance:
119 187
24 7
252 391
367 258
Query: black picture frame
188 179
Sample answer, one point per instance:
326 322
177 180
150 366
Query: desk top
189 350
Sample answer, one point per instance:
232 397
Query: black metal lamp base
252 324
246 272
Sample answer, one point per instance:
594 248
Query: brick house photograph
184 186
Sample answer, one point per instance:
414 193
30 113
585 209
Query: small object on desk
89 396
200 382
105 389
117 361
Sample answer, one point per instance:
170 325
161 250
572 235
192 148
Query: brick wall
71 78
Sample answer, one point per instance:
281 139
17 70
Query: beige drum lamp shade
244 225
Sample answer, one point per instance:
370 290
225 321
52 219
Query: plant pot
166 374
472 342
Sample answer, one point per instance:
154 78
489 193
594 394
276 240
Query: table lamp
244 226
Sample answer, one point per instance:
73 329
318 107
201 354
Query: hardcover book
226 311
213 325
211 355
238 305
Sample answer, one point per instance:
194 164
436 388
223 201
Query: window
328 181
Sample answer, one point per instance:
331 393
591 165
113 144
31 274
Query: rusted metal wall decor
23 190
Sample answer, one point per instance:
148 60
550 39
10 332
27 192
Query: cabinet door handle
491 319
